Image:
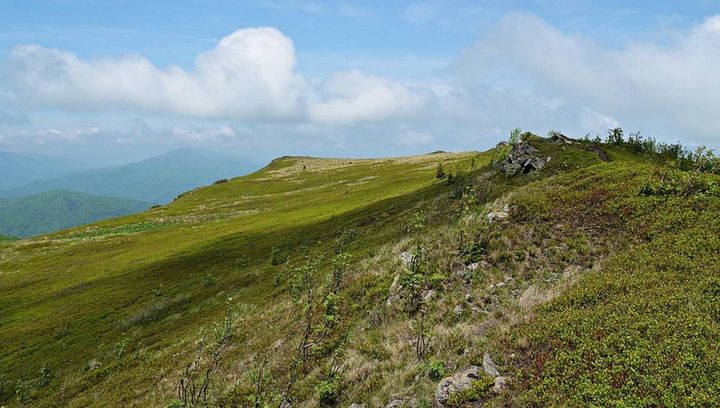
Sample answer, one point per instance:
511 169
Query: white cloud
250 75
675 85
354 96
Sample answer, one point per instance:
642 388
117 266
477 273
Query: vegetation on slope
330 282
56 210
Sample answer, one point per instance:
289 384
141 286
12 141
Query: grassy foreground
600 288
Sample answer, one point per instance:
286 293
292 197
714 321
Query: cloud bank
250 75
523 72
676 84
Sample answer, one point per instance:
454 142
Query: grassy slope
56 210
76 293
608 297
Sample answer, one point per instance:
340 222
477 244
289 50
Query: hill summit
543 272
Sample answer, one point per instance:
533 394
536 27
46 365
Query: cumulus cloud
249 75
354 96
676 84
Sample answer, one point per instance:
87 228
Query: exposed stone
459 310
396 403
354 405
500 384
522 158
489 366
558 137
469 298
406 257
456 383
394 292
93 364
499 214
473 266
428 295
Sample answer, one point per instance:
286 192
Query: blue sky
117 81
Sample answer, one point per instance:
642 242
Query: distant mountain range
44 193
158 179
18 169
60 209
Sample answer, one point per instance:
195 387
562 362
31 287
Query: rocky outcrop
462 380
522 158
457 382
558 137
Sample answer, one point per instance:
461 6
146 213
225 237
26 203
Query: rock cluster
522 158
464 379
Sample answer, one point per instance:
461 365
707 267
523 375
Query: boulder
394 292
459 310
499 214
558 137
522 158
406 257
489 366
457 382
500 384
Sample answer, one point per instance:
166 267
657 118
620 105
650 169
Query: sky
110 82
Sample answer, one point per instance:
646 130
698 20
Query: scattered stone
558 137
522 158
354 405
394 292
489 366
459 310
396 403
93 364
406 257
473 266
500 285
469 298
457 382
500 384
428 295
499 214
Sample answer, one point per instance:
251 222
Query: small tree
515 136
194 384
615 136
440 172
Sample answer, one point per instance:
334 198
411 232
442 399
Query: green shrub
436 369
277 257
209 280
327 392
478 391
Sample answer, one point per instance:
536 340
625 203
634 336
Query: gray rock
93 364
428 295
459 310
354 405
396 403
499 214
500 384
406 257
394 292
456 383
522 158
489 366
558 137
